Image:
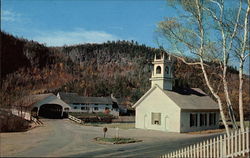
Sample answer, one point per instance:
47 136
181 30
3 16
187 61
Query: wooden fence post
235 143
247 140
232 143
211 148
204 149
228 143
224 143
188 150
194 147
185 154
201 152
218 147
207 155
197 150
243 141
214 147
240 133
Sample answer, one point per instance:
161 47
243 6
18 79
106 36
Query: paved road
65 138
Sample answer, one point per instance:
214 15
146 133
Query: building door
166 123
145 121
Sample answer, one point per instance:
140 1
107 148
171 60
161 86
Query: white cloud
77 36
9 16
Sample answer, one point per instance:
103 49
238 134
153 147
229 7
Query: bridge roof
49 99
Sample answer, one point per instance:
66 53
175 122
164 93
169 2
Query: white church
166 109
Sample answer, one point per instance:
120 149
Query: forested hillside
122 68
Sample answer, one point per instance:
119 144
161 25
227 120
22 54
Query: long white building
89 104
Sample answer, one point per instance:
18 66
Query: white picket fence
234 145
75 119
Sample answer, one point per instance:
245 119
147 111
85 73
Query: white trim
144 96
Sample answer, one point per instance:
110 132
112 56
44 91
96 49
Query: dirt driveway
65 138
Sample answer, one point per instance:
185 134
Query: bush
117 140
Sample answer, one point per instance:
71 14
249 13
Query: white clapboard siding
233 145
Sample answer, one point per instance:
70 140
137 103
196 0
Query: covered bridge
50 106
44 105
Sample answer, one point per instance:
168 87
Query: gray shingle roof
30 100
98 100
192 99
71 98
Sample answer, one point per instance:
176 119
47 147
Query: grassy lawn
207 131
113 125
117 140
86 114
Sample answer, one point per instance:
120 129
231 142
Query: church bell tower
162 72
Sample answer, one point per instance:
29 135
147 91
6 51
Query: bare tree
242 53
205 33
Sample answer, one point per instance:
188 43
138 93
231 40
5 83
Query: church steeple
162 72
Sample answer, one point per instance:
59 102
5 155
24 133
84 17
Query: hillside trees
207 34
122 68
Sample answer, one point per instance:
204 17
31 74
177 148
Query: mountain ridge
122 68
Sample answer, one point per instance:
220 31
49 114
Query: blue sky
59 22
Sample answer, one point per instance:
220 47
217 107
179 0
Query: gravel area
66 138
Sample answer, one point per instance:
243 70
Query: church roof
192 99
186 99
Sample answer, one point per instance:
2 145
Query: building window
156 118
158 70
96 108
203 119
212 119
83 108
75 107
106 108
193 120
167 70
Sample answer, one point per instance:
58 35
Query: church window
158 70
203 119
167 70
156 118
193 120
212 119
